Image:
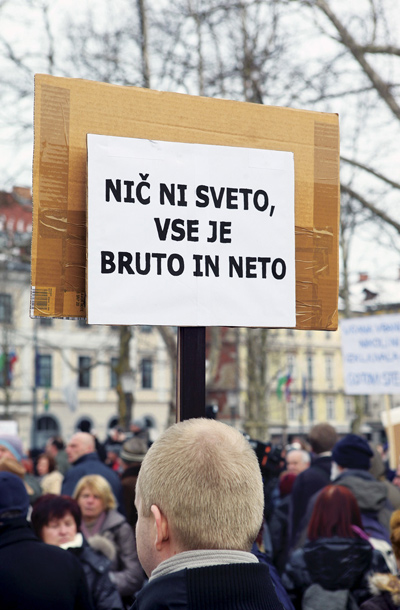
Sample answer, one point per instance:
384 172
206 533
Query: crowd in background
330 535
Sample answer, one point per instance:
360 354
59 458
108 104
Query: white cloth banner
189 234
371 354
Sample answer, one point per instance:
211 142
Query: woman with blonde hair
100 519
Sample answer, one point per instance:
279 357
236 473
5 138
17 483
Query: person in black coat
34 575
56 520
322 439
337 558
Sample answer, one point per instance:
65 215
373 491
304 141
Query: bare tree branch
371 171
371 207
383 89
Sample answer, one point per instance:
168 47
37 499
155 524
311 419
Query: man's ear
161 525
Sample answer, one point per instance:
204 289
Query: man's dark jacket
128 481
306 484
91 464
38 576
224 587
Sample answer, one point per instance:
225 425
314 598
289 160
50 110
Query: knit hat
133 450
13 444
13 495
352 451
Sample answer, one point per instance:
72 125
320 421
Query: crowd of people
200 519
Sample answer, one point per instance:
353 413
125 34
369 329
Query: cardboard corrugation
68 109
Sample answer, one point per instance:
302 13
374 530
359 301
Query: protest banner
189 234
371 362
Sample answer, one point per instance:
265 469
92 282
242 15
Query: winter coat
334 564
279 532
222 587
125 570
307 483
96 566
91 464
51 483
386 593
38 576
371 496
128 480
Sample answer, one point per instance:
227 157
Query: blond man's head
204 476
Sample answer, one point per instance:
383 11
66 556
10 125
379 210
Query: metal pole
34 387
191 373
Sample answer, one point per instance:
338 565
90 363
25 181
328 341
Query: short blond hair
99 485
204 476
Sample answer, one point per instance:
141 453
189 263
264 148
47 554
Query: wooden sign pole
191 373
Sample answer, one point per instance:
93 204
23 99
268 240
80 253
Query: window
291 363
47 422
84 371
113 374
348 405
292 410
5 308
147 373
43 370
329 368
330 409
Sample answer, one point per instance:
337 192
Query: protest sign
189 234
66 110
371 354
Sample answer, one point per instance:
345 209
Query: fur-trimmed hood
385 582
104 545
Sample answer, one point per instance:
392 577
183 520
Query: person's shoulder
57 555
114 519
168 592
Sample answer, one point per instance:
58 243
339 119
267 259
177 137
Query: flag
12 359
287 387
7 362
304 389
285 381
46 400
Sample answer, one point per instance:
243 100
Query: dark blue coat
224 587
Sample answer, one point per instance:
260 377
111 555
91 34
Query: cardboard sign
68 109
189 234
371 354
